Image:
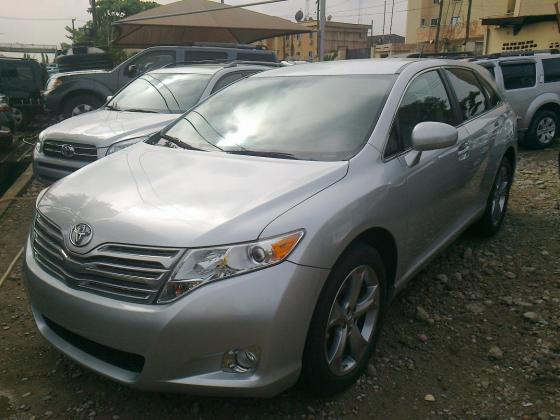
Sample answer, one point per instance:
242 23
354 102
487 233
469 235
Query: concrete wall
537 36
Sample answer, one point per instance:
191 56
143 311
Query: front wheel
80 104
496 206
346 321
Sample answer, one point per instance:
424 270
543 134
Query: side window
551 70
469 92
491 94
425 100
247 56
518 76
153 60
194 55
228 79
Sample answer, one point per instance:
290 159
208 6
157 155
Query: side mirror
108 99
132 70
433 136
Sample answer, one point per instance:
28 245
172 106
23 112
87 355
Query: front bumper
182 343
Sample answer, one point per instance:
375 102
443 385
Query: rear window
551 70
519 76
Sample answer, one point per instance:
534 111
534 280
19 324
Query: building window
455 20
422 22
434 22
298 36
310 54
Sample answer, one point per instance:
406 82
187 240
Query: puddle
9 172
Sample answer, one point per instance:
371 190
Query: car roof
380 66
520 57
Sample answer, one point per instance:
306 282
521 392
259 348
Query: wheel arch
511 156
384 242
549 101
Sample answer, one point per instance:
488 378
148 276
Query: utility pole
322 23
73 31
384 15
391 24
468 28
439 25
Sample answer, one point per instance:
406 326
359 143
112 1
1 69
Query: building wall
537 36
421 29
534 7
338 36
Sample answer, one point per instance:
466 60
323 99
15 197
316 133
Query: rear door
483 116
519 79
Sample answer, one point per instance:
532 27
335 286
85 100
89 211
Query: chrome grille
83 152
126 272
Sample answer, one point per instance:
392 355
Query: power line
38 19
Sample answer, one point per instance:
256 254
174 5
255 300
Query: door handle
464 150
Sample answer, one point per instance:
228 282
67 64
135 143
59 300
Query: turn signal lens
282 248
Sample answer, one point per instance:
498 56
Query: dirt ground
475 335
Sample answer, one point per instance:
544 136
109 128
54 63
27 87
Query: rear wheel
80 104
346 321
496 206
543 130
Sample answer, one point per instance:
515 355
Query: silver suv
260 238
141 108
531 83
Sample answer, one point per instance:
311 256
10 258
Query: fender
88 85
538 102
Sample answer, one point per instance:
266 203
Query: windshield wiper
149 111
177 142
278 155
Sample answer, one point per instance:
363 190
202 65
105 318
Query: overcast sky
43 21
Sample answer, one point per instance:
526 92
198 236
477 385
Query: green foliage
98 31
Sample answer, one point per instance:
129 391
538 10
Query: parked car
22 80
73 93
140 109
7 123
261 236
531 83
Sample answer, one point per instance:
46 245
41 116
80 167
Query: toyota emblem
81 234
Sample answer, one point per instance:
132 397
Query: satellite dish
329 18
299 16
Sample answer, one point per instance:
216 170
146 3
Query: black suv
70 94
22 81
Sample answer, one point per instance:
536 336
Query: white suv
531 83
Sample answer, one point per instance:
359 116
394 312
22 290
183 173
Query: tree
98 32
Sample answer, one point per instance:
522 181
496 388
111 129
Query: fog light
241 360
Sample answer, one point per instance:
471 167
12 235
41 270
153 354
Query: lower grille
68 150
125 272
122 359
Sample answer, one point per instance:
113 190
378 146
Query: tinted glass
154 60
303 117
16 76
161 93
425 100
491 71
226 80
491 94
243 56
551 70
518 76
205 55
469 92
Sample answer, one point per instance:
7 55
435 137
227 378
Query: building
532 25
385 39
339 38
423 21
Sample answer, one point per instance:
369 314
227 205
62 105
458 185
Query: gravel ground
475 335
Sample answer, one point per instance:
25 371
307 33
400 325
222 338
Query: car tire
79 104
339 343
544 129
496 205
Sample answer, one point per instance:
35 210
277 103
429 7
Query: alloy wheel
546 130
80 109
499 197
352 320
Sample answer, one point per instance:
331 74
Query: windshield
161 93
301 117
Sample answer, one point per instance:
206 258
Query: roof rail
525 53
225 63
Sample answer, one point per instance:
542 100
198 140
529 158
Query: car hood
151 195
103 127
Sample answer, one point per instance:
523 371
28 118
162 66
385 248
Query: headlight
39 142
125 143
205 265
53 83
